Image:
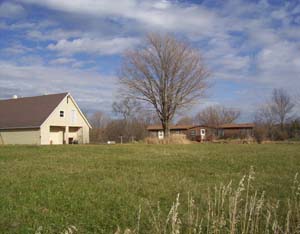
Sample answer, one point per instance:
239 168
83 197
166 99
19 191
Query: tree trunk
281 123
166 128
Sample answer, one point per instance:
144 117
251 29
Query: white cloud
92 90
16 49
53 34
67 61
279 65
235 62
11 10
97 46
164 4
164 14
63 60
241 41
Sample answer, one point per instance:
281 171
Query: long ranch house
43 120
202 133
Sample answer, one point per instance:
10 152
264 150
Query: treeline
277 119
274 120
131 121
128 125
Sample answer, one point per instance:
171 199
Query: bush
280 135
260 133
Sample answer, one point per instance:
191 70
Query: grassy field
97 188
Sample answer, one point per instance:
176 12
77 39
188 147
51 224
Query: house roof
28 112
172 127
201 126
240 125
185 127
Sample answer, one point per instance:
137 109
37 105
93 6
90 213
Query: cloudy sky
51 46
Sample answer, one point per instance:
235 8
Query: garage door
56 136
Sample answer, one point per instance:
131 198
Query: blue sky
51 46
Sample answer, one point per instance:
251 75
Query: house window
73 116
160 134
221 133
202 132
61 113
193 132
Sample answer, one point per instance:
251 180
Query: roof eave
23 127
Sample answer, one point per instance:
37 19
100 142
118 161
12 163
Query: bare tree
99 121
297 102
217 115
127 108
264 115
281 106
277 111
185 120
166 73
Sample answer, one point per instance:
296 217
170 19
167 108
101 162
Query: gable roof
28 112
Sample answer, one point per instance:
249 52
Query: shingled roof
28 112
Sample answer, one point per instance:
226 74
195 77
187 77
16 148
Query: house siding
235 133
67 105
194 134
154 133
20 136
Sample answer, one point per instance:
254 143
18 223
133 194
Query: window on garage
73 116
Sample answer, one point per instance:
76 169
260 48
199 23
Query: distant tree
281 106
99 120
264 123
166 73
264 115
217 115
297 103
126 108
272 117
185 120
293 128
132 120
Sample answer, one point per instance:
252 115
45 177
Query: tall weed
229 210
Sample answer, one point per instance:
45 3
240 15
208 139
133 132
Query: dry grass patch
173 139
228 210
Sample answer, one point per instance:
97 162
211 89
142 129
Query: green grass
97 188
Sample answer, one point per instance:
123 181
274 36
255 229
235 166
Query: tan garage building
43 120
